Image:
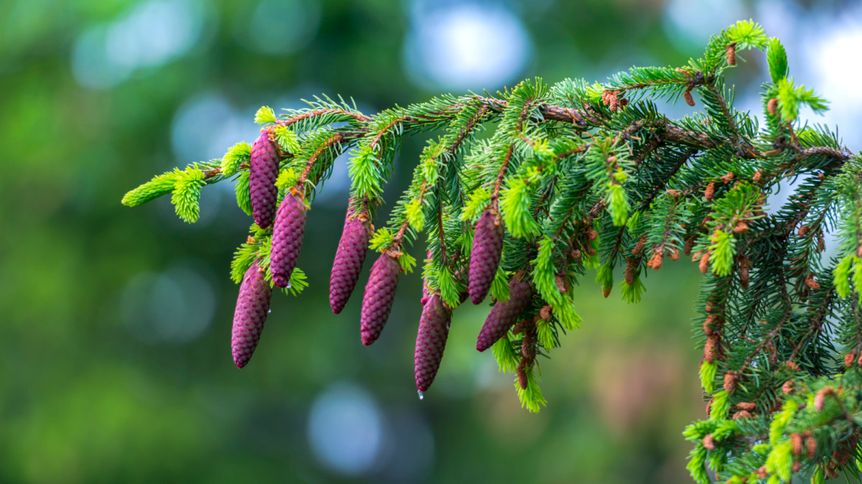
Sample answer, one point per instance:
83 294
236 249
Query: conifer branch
578 176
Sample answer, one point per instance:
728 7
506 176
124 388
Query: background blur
115 323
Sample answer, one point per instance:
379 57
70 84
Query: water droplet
269 311
287 286
421 394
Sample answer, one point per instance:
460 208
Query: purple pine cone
430 341
263 170
348 261
286 239
252 307
378 297
485 256
504 314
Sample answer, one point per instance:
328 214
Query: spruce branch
577 177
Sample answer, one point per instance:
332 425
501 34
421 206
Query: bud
731 54
740 227
286 239
629 274
703 265
811 446
787 387
727 177
656 260
378 297
820 397
252 307
811 282
505 313
430 341
263 170
744 276
709 191
749 406
741 414
347 264
730 379
849 359
796 442
802 230
545 313
485 256
688 97
709 442
523 379
711 348
710 325
757 176
772 106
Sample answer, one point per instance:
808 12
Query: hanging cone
263 170
252 308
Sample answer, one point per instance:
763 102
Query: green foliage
515 204
243 195
506 355
776 57
591 176
791 97
531 398
155 188
265 115
186 196
235 157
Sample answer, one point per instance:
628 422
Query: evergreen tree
560 181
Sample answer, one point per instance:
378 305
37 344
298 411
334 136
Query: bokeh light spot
345 429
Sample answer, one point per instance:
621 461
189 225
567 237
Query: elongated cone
430 341
263 170
286 239
378 297
348 261
252 307
504 314
485 256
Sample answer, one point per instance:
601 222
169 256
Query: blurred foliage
91 390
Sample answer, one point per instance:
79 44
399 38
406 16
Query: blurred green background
115 364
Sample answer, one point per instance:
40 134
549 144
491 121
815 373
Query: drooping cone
430 341
504 314
252 307
286 239
378 297
263 170
485 256
348 261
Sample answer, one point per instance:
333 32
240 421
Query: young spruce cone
485 256
348 261
378 297
263 170
286 239
504 314
252 307
430 341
